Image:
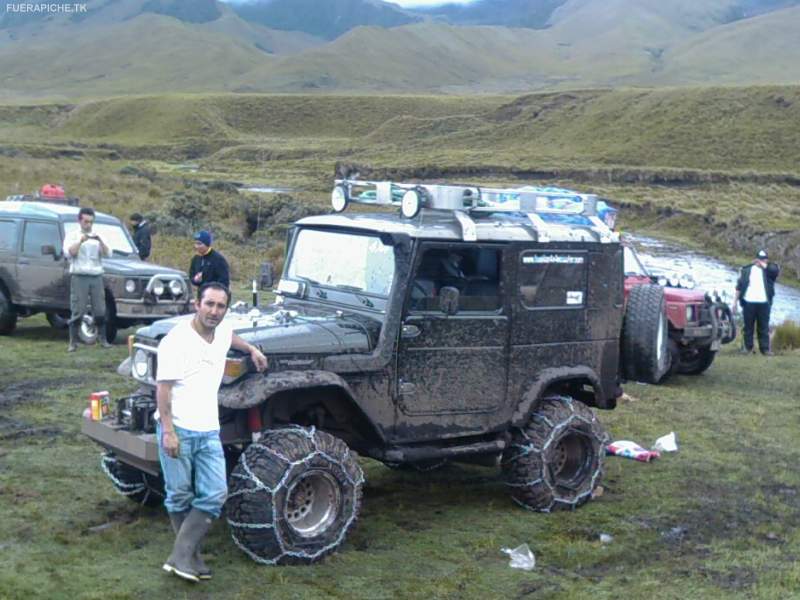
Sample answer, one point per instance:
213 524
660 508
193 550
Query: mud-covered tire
132 483
555 462
727 325
645 350
696 362
293 496
8 316
58 321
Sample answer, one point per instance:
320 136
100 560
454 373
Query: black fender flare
535 391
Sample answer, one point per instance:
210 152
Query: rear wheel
294 496
645 349
58 321
556 461
696 361
8 316
129 481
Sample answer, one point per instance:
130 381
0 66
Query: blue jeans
197 478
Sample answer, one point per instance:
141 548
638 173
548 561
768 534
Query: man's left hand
258 358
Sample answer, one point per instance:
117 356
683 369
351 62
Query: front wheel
8 316
293 496
555 462
129 481
695 362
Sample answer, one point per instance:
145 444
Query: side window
475 272
8 236
552 279
38 234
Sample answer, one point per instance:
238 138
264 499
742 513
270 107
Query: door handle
410 331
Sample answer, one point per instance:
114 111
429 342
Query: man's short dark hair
136 217
214 285
85 211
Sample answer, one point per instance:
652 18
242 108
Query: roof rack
555 214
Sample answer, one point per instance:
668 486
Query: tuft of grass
787 336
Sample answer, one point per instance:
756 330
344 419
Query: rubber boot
177 518
101 333
194 528
73 336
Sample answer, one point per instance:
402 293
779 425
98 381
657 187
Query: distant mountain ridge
498 46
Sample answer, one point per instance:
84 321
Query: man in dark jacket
208 265
754 291
141 235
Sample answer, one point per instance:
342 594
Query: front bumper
716 327
142 311
137 449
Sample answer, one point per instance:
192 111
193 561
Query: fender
256 390
546 378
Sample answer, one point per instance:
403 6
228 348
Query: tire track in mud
14 394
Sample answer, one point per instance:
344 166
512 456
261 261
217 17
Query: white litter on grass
606 538
666 443
521 557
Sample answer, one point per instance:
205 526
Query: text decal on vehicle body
551 259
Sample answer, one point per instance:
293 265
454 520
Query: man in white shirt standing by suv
191 363
85 251
754 291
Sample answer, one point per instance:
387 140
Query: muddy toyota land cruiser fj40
34 275
479 325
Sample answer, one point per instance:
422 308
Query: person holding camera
85 251
755 290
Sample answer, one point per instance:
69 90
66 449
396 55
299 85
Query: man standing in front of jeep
191 363
85 251
754 291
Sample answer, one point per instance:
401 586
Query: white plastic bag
666 443
521 557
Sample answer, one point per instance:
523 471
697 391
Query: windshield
633 265
113 235
358 262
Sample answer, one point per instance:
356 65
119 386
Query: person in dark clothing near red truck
207 265
755 290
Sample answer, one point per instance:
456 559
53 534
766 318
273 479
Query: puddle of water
710 274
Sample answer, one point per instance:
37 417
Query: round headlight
662 281
687 281
130 285
158 288
410 205
674 280
140 364
338 199
176 287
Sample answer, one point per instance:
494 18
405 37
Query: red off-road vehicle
669 326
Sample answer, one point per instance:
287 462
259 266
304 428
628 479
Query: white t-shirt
755 289
89 259
196 368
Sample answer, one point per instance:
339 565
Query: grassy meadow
718 519
714 168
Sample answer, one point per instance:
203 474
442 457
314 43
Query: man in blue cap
208 265
754 291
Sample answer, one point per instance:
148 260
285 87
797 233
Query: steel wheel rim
572 458
312 503
88 328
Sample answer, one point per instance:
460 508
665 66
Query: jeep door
9 243
452 368
42 278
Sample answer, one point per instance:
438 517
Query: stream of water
710 274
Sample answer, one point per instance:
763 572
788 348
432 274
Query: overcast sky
407 3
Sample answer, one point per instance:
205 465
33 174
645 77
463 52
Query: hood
684 295
301 330
130 267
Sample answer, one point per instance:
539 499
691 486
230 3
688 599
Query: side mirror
266 278
448 300
51 251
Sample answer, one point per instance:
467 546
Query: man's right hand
170 443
